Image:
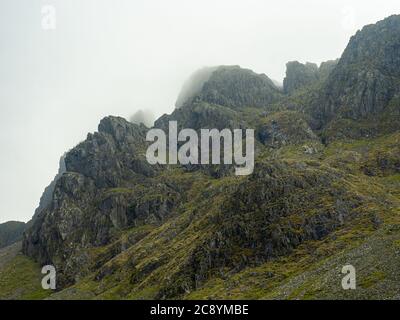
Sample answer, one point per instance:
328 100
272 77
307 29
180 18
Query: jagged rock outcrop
101 192
135 230
367 76
300 75
285 128
111 155
238 88
266 216
326 68
193 86
201 115
235 87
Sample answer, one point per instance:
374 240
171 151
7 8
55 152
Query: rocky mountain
193 86
232 87
11 232
365 82
324 190
299 76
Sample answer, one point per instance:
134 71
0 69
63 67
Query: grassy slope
311 271
20 277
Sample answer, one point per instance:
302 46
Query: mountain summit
366 80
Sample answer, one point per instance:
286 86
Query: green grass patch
21 279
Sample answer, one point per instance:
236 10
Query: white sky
117 56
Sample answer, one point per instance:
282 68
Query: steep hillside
262 236
300 76
325 192
232 87
366 81
20 277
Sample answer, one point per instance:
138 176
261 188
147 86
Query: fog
145 117
121 56
193 85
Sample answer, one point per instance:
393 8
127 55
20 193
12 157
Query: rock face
94 158
193 86
300 75
326 68
285 128
100 193
202 115
11 232
235 87
109 187
367 76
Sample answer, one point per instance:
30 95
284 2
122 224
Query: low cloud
145 117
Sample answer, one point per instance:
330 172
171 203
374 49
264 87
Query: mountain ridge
326 181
